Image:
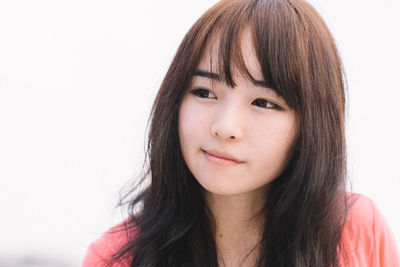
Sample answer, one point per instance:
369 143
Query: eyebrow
216 77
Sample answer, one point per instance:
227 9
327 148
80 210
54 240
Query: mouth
221 159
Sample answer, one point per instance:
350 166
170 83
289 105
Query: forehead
243 57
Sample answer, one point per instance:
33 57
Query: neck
238 223
243 209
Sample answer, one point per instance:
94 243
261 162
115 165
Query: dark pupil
260 102
203 93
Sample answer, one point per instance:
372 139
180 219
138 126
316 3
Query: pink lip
220 158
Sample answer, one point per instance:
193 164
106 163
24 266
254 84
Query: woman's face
250 123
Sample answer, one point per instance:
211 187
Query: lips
223 155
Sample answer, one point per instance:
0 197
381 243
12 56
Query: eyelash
197 92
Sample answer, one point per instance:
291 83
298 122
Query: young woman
247 156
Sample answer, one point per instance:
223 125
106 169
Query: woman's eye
263 103
266 104
202 93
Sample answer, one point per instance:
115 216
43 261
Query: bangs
278 35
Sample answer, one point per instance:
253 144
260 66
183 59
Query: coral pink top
366 236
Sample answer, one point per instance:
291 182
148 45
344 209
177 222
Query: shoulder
102 249
367 238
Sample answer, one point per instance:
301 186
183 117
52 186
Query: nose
228 124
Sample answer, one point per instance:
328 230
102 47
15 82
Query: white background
77 80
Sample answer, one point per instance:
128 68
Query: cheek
273 146
193 119
191 125
182 127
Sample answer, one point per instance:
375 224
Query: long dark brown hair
170 224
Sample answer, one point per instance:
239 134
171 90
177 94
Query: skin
250 122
